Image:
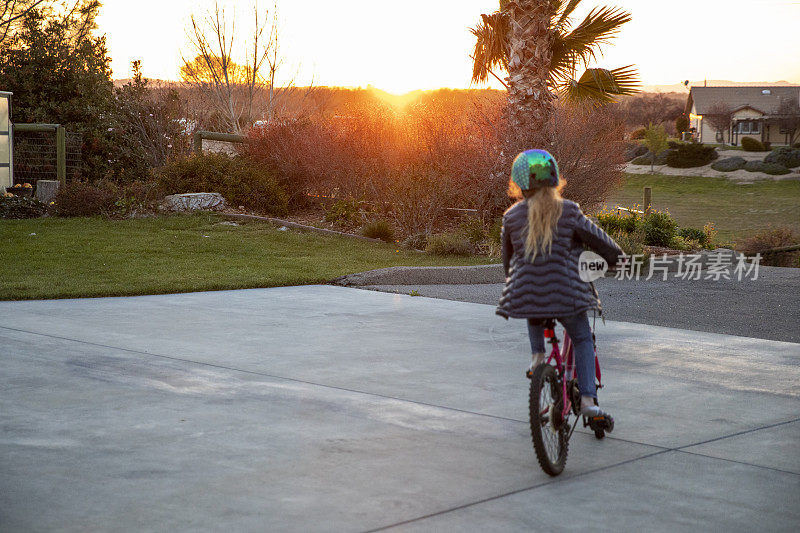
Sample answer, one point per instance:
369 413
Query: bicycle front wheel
548 427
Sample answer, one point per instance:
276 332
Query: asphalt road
766 308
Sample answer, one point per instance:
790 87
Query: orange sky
416 44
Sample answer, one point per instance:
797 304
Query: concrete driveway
324 408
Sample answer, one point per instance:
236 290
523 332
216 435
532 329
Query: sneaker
593 411
597 419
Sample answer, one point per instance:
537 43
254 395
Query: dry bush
411 163
589 148
442 150
773 238
106 198
417 198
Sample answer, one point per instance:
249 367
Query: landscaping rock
785 156
729 164
194 201
661 159
632 151
46 190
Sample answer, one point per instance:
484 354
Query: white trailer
6 142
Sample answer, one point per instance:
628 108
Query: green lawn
96 257
737 210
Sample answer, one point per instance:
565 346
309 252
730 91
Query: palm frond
563 62
582 43
599 86
561 20
491 46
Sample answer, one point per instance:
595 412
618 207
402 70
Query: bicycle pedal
529 373
604 422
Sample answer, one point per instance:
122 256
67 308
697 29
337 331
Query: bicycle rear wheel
548 428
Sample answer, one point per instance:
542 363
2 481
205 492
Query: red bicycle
554 398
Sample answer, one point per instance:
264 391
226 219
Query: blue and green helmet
534 168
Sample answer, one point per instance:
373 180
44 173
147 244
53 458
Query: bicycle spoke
550 433
547 427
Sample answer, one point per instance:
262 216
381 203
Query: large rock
634 150
194 201
46 190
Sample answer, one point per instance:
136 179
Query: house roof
738 97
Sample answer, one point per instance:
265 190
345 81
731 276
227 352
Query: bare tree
81 12
12 12
644 109
235 79
719 118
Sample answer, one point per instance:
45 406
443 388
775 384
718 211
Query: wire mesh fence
36 156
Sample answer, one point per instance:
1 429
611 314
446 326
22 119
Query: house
754 113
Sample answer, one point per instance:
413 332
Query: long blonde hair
544 209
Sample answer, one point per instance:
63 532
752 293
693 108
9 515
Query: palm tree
536 43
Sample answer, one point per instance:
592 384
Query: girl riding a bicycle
542 237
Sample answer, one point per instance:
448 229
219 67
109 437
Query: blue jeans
581 334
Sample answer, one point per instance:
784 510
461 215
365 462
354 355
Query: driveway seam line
556 480
517 491
738 433
273 376
415 402
739 462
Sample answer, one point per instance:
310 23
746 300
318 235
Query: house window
749 127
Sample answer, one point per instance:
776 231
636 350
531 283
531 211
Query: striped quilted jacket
550 286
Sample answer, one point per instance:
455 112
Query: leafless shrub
417 197
440 151
773 238
589 148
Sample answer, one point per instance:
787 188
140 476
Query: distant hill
153 82
679 87
674 88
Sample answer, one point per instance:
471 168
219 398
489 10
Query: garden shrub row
689 155
678 155
82 199
657 228
767 168
21 207
239 181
